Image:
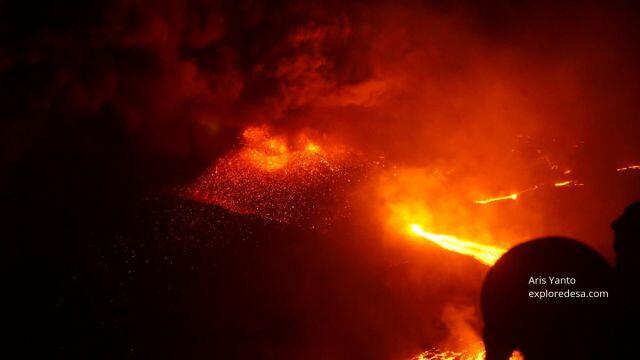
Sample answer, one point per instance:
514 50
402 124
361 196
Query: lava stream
567 183
435 354
486 254
630 167
513 196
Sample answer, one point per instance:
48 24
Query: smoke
178 78
413 81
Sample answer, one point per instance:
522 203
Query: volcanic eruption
298 180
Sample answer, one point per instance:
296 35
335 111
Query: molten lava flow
486 254
282 178
478 354
563 183
416 200
568 183
516 195
513 196
435 354
627 168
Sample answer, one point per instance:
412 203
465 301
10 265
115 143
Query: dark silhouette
626 244
552 327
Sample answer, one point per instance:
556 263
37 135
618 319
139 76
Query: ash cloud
176 79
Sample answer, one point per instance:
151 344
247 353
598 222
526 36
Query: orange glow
484 253
567 183
475 354
272 153
273 175
313 148
516 195
627 168
513 196
563 183
417 202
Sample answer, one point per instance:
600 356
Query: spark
281 178
627 168
486 254
513 196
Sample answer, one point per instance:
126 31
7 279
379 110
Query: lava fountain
285 178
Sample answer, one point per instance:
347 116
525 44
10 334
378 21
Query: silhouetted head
627 239
517 316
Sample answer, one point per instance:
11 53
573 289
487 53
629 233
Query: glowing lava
435 354
516 195
486 254
281 178
272 153
627 168
568 183
513 196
